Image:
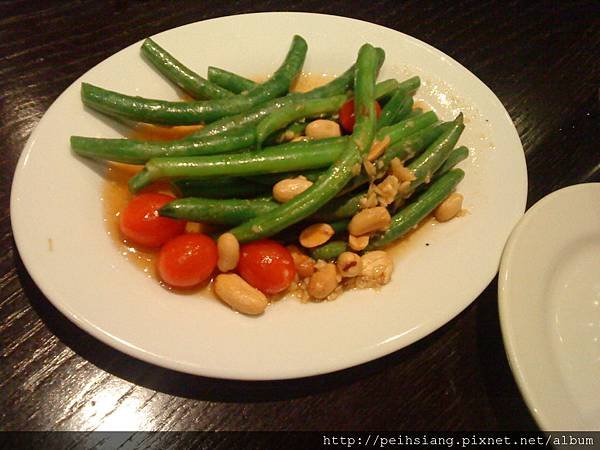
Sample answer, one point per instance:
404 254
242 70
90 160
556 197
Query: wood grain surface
541 60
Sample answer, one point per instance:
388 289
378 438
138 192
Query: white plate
549 292
56 196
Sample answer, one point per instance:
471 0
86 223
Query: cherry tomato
141 224
266 265
187 260
347 118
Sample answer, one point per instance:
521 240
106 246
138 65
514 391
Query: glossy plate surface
549 291
56 200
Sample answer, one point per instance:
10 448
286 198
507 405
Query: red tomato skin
187 260
347 117
266 265
141 224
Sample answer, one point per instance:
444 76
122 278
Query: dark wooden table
541 59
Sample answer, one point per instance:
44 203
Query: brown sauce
115 197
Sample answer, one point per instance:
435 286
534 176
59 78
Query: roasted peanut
229 252
349 264
449 208
316 234
368 201
401 172
377 148
370 169
369 220
404 188
387 190
358 243
285 190
377 266
304 264
323 282
233 290
321 129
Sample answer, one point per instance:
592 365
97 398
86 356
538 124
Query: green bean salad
302 191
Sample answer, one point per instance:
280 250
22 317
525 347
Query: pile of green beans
223 173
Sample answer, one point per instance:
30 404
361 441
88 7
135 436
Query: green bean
229 80
188 113
281 158
329 251
221 211
348 205
339 226
292 131
407 138
405 148
206 142
338 86
385 88
295 111
270 179
404 110
132 151
225 135
219 187
406 127
209 143
188 80
432 159
339 173
414 113
410 85
411 215
400 103
457 155
335 87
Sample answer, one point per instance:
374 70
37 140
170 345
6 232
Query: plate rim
544 421
140 353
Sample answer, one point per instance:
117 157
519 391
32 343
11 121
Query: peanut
323 282
349 264
233 290
304 264
377 148
449 208
229 252
387 190
358 243
369 200
369 220
285 190
370 169
321 129
401 172
316 234
377 266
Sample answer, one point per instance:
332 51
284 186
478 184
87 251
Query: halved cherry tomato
187 260
141 224
266 265
347 117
